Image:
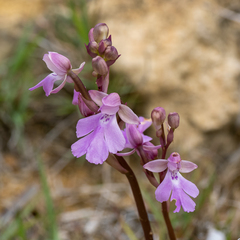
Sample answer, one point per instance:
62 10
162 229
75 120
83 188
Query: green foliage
129 232
51 222
16 78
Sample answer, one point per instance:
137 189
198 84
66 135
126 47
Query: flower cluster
100 133
104 135
103 54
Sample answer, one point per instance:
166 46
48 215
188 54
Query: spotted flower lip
60 66
100 133
174 182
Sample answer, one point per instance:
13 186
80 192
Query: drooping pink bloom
135 138
174 182
101 133
60 66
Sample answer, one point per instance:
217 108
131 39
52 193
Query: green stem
138 199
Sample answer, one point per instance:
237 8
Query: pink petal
52 66
127 115
69 79
88 124
97 152
90 35
57 89
156 165
188 204
111 104
112 100
134 136
75 97
47 83
113 135
188 187
145 123
97 96
182 199
127 153
151 147
146 138
175 196
164 189
187 166
62 63
78 70
80 147
127 144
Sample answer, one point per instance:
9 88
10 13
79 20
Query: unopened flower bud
93 47
90 35
173 120
100 32
95 74
103 44
99 65
158 116
111 53
134 136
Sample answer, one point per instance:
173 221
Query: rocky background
180 55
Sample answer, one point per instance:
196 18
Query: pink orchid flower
174 182
101 131
60 66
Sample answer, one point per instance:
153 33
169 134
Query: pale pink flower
100 133
60 66
174 182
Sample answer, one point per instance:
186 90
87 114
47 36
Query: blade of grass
131 235
51 215
80 19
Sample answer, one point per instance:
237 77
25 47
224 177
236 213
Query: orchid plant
103 136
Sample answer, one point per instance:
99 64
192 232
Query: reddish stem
138 199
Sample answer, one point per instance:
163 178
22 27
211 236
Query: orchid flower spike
100 133
60 66
174 182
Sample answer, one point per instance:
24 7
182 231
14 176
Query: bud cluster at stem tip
101 45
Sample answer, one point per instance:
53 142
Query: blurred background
181 55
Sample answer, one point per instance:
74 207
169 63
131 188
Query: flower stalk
138 199
79 85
